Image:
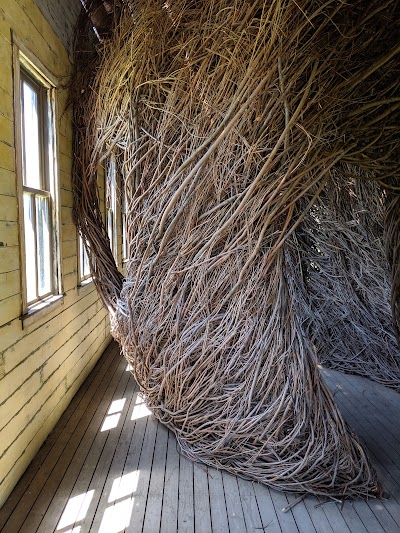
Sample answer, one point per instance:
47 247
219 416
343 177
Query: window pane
84 263
30 249
124 238
43 246
110 228
30 119
86 267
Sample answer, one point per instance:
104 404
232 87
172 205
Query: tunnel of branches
257 144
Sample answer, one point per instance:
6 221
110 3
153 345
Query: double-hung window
36 145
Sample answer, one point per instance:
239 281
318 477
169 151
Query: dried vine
347 280
229 121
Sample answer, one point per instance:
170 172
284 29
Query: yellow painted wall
42 366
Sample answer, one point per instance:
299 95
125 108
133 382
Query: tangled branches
347 280
228 120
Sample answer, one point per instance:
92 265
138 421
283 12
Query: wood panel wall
42 365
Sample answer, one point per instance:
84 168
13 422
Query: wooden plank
370 521
152 521
301 515
69 319
352 519
51 451
268 514
141 457
169 515
382 397
219 517
202 512
389 510
334 516
185 496
373 514
124 485
58 445
318 516
372 434
286 520
233 503
59 485
93 476
250 508
139 500
32 400
114 484
384 514
385 411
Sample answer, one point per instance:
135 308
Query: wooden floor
109 467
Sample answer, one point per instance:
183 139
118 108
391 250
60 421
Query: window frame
26 67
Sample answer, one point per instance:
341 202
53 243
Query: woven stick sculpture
347 278
225 118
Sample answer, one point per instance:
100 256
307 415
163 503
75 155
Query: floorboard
169 512
109 466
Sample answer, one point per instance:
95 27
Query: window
38 186
111 204
84 268
124 214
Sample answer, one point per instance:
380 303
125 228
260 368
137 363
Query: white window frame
25 64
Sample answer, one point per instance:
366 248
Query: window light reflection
116 406
140 409
75 510
110 422
117 517
124 486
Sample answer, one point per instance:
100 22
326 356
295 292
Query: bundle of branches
347 279
393 253
224 116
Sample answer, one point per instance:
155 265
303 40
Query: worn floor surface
109 467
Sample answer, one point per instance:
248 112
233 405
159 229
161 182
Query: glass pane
43 245
124 237
110 228
30 251
85 269
31 143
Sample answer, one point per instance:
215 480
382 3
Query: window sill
85 287
37 311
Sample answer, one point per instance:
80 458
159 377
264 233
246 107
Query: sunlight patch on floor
110 422
140 408
113 415
75 510
124 486
117 517
116 406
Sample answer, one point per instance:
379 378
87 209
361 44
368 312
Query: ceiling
61 16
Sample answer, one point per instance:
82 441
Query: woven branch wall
233 124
